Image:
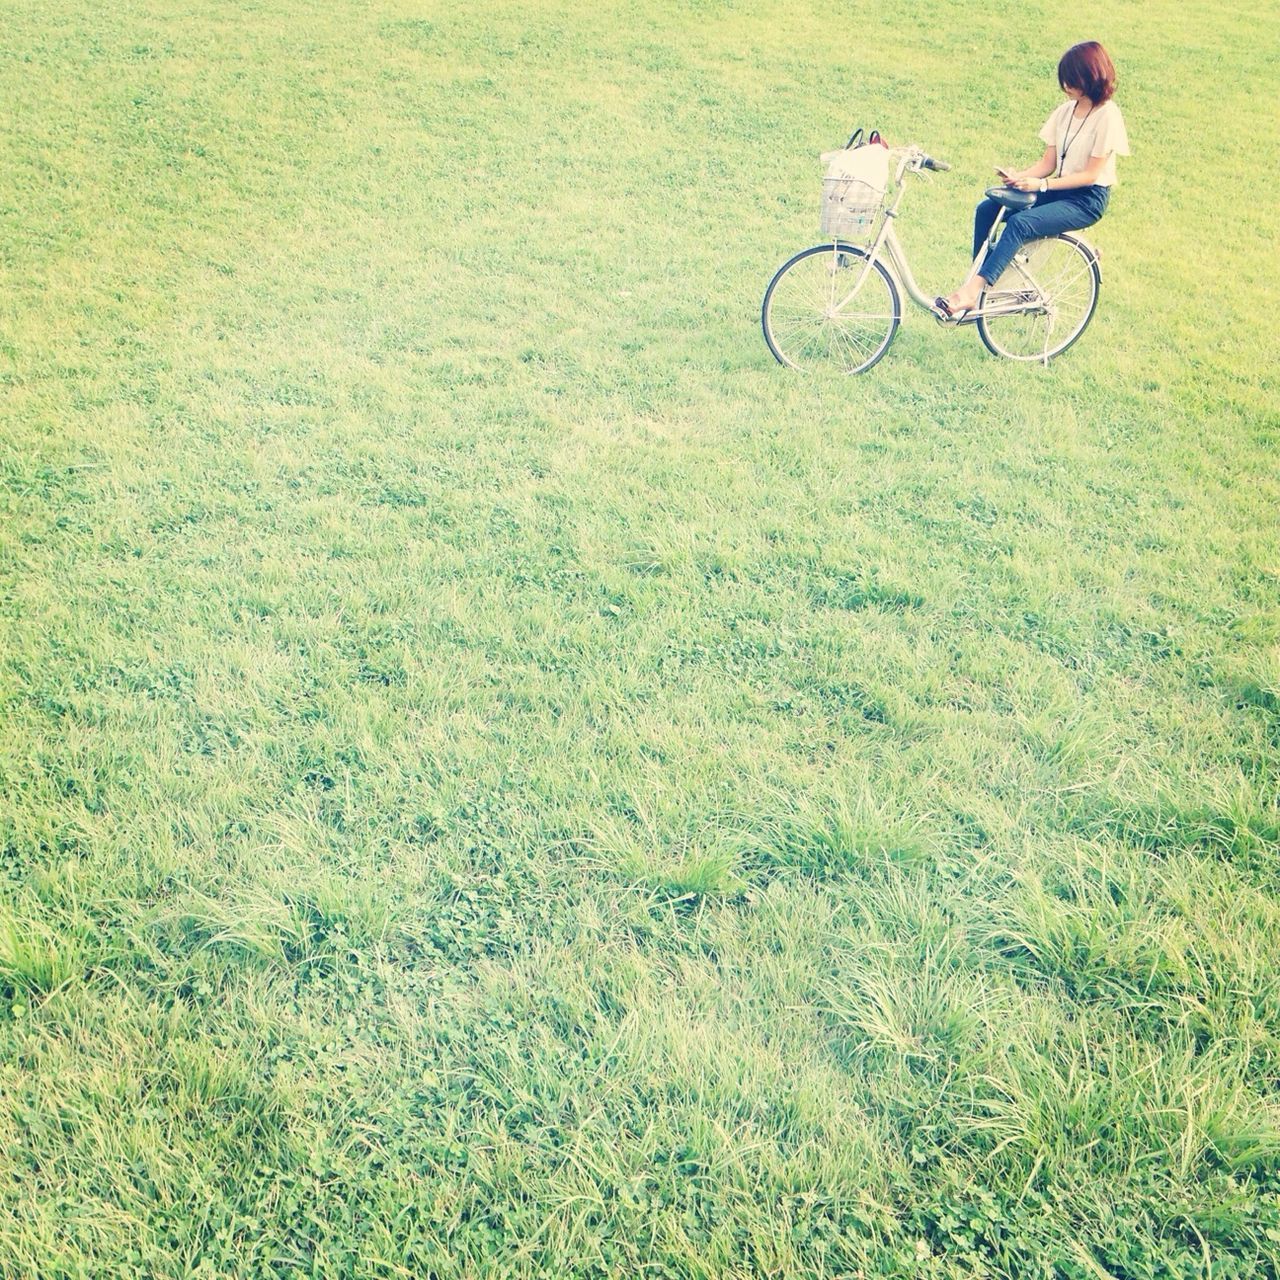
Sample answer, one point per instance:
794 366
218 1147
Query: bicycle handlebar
915 159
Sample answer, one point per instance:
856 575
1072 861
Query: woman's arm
1085 178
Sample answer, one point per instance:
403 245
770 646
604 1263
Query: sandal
940 304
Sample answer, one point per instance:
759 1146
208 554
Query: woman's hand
1025 184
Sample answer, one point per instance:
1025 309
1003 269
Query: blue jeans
1053 211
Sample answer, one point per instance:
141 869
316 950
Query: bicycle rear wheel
1054 283
811 322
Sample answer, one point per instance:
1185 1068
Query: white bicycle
837 305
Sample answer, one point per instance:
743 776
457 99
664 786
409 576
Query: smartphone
1002 174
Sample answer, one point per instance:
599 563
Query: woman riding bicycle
1072 179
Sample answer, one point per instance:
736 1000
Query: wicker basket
849 208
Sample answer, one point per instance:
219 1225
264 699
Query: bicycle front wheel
825 309
1051 291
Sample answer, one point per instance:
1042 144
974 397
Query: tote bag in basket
853 190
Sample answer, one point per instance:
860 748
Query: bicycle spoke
796 332
852 355
1064 281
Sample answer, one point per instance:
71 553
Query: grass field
502 780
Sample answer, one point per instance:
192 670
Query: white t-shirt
1102 134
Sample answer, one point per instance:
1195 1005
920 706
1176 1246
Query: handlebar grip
938 166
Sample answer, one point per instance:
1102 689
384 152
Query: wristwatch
1044 184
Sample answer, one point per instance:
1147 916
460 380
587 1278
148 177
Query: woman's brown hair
1088 67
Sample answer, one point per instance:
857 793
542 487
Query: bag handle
856 139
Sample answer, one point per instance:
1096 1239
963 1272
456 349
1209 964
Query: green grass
500 779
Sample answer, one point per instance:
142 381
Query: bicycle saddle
1012 198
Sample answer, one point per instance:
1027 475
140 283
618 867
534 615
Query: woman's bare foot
965 298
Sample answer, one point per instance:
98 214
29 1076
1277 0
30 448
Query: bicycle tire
1013 337
801 345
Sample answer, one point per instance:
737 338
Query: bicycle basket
849 207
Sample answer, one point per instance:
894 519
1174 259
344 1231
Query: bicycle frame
888 244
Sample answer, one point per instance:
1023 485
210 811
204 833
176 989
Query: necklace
1069 137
